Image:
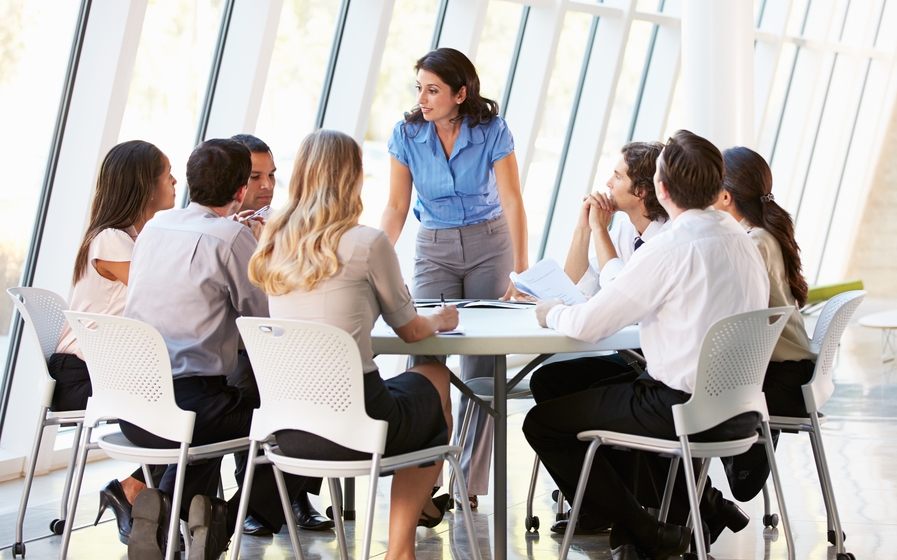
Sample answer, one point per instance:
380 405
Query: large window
32 70
553 130
170 76
295 81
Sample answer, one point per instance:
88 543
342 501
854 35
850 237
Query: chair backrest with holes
130 374
826 337
309 378
731 367
42 312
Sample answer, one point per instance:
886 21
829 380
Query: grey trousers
459 263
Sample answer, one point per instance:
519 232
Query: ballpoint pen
442 297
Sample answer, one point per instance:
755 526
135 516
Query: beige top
794 344
93 293
368 283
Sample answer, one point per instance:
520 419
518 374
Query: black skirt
409 403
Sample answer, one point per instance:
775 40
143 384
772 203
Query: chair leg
694 501
462 438
577 499
174 521
29 478
825 502
337 501
76 489
668 490
532 522
69 471
288 510
372 497
777 482
244 500
148 476
825 480
465 508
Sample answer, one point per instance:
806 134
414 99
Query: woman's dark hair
457 71
749 181
125 186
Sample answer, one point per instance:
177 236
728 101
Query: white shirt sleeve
610 271
113 245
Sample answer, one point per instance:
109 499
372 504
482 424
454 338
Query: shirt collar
653 229
427 135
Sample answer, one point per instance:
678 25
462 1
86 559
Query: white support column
660 83
94 120
718 70
357 67
589 127
530 85
766 59
244 67
463 26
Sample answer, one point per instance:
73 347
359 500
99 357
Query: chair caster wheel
18 548
846 556
329 512
831 537
771 520
554 495
690 556
57 526
531 523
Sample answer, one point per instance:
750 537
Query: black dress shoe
208 525
585 526
112 495
149 529
626 552
672 540
255 529
728 515
307 517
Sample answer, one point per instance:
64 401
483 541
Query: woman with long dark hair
459 156
134 183
747 196
316 263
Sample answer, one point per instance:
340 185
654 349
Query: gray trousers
460 263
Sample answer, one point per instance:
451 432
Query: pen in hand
442 297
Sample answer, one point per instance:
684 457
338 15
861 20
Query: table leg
500 474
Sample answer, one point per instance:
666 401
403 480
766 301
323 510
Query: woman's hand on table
513 294
542 309
445 318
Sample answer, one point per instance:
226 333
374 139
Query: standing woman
459 155
134 183
747 196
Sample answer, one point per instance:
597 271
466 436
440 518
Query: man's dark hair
254 143
216 170
641 162
692 169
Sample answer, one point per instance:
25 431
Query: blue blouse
461 190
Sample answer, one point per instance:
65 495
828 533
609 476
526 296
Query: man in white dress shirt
702 269
636 213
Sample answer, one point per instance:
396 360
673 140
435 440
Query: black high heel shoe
112 495
429 521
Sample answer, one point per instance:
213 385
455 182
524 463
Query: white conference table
499 332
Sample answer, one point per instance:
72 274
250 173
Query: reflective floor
860 439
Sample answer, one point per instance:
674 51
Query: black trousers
222 413
747 473
72 391
605 393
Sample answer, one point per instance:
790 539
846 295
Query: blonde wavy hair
297 249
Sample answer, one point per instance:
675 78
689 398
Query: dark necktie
638 243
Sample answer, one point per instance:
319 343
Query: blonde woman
317 263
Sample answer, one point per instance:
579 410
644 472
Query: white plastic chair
826 338
131 378
310 378
42 312
731 367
